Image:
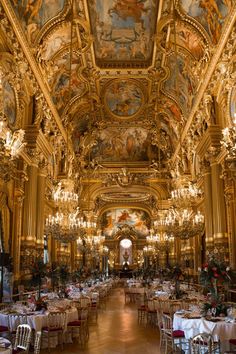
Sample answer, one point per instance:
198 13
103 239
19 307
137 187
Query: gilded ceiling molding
23 53
226 37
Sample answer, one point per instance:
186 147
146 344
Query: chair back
85 301
56 320
37 342
23 335
201 343
14 320
167 324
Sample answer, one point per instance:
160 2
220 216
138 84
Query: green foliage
38 271
214 274
64 274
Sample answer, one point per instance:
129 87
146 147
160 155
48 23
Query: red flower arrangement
214 276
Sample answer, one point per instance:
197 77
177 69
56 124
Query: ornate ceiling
122 77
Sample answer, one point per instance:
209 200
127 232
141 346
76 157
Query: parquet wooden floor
117 332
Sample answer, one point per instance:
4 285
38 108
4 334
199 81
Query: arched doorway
126 254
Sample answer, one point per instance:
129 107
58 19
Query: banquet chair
14 320
85 301
80 326
203 343
172 341
4 329
37 342
232 343
93 313
56 324
175 306
151 313
22 341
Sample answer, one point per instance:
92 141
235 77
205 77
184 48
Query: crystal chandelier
182 221
185 223
63 226
186 195
229 140
64 193
87 224
161 240
149 250
11 144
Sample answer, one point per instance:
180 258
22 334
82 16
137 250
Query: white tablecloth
221 330
39 320
3 342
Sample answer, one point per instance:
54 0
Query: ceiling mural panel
123 98
233 104
123 29
56 41
113 219
124 145
210 14
66 82
180 84
81 127
35 14
9 102
188 39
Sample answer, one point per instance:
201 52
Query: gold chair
172 341
56 324
22 341
204 343
37 342
80 326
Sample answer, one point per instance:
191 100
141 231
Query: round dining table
5 346
218 327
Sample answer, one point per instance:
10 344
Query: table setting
5 346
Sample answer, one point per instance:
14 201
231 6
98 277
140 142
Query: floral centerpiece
177 275
214 277
38 271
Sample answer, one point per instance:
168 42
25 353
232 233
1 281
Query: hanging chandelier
63 226
185 223
64 193
149 250
11 143
87 224
186 195
160 240
229 140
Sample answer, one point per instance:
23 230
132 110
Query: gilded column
28 241
208 205
229 175
16 232
219 212
41 183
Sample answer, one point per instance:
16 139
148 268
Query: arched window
125 251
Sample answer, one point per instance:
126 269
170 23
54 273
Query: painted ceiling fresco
210 14
35 14
123 29
125 145
125 73
181 83
9 102
138 219
123 98
188 39
233 104
66 82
